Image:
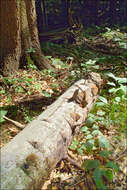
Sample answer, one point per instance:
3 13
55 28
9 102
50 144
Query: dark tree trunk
39 16
112 12
18 34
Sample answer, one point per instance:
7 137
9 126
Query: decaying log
27 160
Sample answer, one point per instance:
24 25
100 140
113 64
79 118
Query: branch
16 123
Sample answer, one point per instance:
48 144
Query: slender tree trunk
18 34
38 57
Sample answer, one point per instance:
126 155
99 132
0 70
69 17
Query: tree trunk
112 12
27 160
10 41
18 34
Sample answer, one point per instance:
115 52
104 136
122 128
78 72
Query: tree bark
27 160
18 34
10 45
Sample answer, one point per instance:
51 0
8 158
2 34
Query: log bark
27 160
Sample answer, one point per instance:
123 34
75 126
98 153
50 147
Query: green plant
89 65
27 115
102 173
2 114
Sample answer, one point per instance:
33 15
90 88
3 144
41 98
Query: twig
17 124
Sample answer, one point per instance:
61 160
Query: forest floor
26 94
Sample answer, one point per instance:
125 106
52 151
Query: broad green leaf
96 132
80 151
74 145
113 90
112 165
109 175
83 147
89 136
117 99
95 126
122 80
90 164
2 113
104 153
99 118
19 89
91 62
90 121
99 103
103 142
84 129
123 88
2 91
87 133
104 100
101 113
95 67
111 75
98 173
89 145
111 83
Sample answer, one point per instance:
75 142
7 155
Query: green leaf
104 153
87 133
99 104
96 132
95 127
89 145
98 173
103 142
101 113
90 164
123 88
84 129
112 165
2 113
74 145
80 151
117 99
91 62
89 136
2 91
122 80
113 90
111 75
46 94
111 83
19 89
83 147
109 175
90 121
104 100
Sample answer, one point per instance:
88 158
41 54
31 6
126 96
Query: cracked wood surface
27 160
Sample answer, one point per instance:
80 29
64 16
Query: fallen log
28 159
